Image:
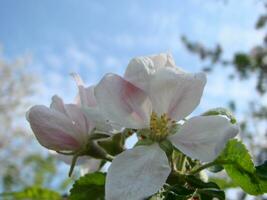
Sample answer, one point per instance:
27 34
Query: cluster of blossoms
152 99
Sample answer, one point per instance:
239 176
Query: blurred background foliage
22 167
25 171
245 64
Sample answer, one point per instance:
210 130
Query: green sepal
94 150
113 145
145 142
167 147
97 136
143 133
221 111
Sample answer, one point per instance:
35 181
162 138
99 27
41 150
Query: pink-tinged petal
204 137
80 120
58 105
54 130
73 112
86 95
176 94
122 102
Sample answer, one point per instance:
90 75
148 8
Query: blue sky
96 37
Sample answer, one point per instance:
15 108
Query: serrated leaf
239 166
91 186
33 193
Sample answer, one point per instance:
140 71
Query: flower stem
73 162
109 158
197 170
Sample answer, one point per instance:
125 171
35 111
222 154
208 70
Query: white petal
137 173
138 72
204 137
176 94
140 69
122 102
163 60
96 115
86 95
90 165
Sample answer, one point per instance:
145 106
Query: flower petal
58 105
137 173
204 137
176 94
86 95
101 123
91 165
80 120
140 69
122 102
53 129
73 112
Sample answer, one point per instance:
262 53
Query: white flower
153 95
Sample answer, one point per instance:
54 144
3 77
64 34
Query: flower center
160 126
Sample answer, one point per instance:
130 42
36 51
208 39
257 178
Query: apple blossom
65 129
152 97
62 127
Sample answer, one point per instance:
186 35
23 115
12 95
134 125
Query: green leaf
215 168
221 111
223 183
210 194
197 183
90 186
239 166
33 193
261 170
177 192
